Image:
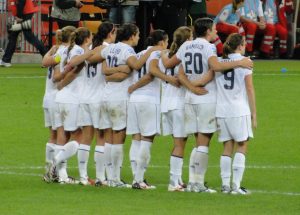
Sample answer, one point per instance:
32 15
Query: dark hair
103 30
201 26
126 31
58 37
180 35
155 37
232 42
66 33
235 4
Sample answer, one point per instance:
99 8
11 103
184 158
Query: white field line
258 74
158 167
164 185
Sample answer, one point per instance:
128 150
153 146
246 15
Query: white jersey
70 94
94 83
51 87
115 55
172 97
194 57
149 93
232 99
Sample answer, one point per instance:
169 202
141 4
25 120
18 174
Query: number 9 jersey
194 57
232 99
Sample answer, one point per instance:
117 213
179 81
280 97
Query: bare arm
136 64
207 77
146 79
69 76
251 99
48 59
116 77
217 66
155 71
169 62
57 75
112 70
75 61
96 55
188 85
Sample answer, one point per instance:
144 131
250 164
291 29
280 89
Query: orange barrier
213 7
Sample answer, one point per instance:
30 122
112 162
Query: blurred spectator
22 10
228 20
275 15
126 14
252 18
66 13
196 9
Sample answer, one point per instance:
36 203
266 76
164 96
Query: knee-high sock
50 151
100 163
134 149
61 168
175 170
238 167
201 162
192 166
225 165
83 158
143 160
108 161
117 160
68 151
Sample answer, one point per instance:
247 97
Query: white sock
117 160
143 159
225 165
175 170
238 167
99 162
50 150
108 162
192 166
61 168
134 149
83 158
201 162
68 151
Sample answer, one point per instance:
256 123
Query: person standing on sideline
67 16
234 111
128 10
22 10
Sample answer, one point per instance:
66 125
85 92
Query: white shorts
89 115
113 115
173 123
66 116
238 129
49 114
143 118
200 118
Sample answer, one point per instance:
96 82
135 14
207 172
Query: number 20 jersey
194 57
232 99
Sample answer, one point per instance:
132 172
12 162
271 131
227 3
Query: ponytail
231 44
180 35
103 30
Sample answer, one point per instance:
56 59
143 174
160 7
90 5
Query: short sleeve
104 52
180 52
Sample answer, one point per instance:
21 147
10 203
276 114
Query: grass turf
273 161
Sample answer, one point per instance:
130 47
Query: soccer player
68 99
115 95
234 111
197 57
48 102
144 110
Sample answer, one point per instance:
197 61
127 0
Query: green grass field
273 161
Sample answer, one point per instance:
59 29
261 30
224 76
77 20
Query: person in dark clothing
23 11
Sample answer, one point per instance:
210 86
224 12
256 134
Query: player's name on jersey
194 46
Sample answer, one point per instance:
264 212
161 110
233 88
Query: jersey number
195 59
112 61
91 71
229 76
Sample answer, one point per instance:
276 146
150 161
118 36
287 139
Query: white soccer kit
91 95
199 110
113 112
172 105
68 97
144 103
232 110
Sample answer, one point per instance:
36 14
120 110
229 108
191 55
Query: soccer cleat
240 191
46 178
143 186
201 188
69 180
119 184
86 181
177 188
2 63
189 187
225 189
99 183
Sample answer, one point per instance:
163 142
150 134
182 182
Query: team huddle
99 87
